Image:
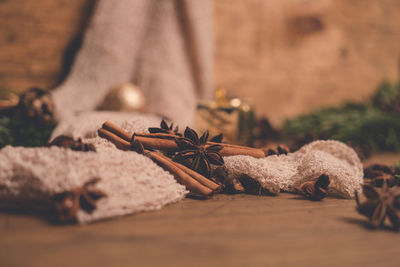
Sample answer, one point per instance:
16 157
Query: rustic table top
231 230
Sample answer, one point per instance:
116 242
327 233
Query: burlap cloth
133 183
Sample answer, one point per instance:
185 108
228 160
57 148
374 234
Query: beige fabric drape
163 46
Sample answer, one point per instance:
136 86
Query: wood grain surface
240 230
293 56
227 230
287 56
38 40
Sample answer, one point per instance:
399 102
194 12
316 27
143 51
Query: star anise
381 203
196 154
69 142
228 185
217 139
378 174
276 149
164 128
374 170
315 190
251 185
388 179
67 204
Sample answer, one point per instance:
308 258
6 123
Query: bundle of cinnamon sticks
149 143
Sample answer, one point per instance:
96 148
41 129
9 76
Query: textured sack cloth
131 181
164 47
285 172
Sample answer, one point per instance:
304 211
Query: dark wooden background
288 56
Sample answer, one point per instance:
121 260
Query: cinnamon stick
115 139
117 130
200 178
156 143
162 141
233 150
157 135
181 176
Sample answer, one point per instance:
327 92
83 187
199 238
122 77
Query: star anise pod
69 142
228 185
377 174
67 204
374 170
196 154
315 190
38 104
381 203
164 128
276 149
388 179
251 185
217 139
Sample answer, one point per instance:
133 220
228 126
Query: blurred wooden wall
295 55
36 37
288 56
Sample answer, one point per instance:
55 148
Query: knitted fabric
164 47
285 172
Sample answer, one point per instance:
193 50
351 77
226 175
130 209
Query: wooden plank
241 230
238 230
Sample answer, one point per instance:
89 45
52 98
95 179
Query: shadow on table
366 224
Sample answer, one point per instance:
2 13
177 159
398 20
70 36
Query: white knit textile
286 172
164 47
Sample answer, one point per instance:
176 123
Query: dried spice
69 142
220 176
137 147
251 185
374 170
194 152
67 204
217 139
276 150
378 174
164 128
228 185
387 179
315 190
381 203
234 186
38 104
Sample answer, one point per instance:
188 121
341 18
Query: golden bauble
124 97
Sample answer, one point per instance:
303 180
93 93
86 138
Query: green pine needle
370 126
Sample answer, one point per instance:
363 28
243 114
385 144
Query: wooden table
239 230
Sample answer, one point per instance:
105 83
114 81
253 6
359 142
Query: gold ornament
124 97
233 117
